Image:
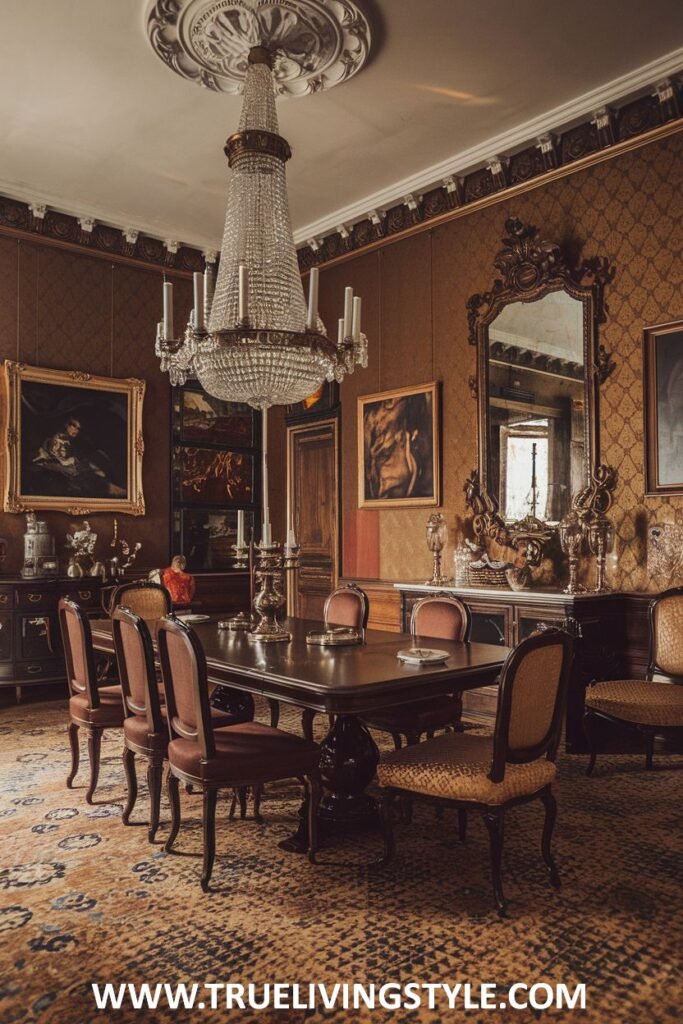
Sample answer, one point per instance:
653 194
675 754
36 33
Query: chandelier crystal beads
254 338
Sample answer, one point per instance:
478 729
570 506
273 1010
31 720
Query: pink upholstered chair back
347 606
135 658
443 617
183 670
78 651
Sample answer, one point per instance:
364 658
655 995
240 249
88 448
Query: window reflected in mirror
536 407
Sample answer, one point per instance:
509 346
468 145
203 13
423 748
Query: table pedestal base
348 760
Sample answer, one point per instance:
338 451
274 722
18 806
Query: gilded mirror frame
532 268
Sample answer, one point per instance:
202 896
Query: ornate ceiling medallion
318 43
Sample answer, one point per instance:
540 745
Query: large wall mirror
540 432
539 370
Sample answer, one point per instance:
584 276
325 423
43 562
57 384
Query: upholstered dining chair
440 617
230 757
346 606
145 730
145 727
653 707
492 774
91 707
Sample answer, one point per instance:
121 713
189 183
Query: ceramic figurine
180 584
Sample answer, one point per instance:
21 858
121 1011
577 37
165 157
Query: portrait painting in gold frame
72 441
398 448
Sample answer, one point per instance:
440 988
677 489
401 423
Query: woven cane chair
652 707
492 774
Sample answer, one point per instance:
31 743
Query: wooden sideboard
30 642
610 630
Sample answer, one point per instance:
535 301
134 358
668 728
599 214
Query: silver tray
340 637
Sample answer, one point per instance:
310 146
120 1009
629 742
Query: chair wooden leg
94 747
314 790
258 793
550 805
494 824
590 734
209 826
131 784
155 767
307 717
386 809
462 824
75 753
274 712
174 800
649 750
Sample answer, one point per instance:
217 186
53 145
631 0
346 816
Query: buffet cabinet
30 642
610 632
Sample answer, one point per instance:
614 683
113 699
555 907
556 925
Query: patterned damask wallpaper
629 209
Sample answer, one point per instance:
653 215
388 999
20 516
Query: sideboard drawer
36 597
30 671
81 594
6 601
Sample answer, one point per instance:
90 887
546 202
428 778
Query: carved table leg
349 758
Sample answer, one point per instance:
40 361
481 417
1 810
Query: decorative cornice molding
593 122
64 229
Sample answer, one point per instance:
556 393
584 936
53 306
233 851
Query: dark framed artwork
72 441
322 402
210 476
398 448
663 407
203 419
206 537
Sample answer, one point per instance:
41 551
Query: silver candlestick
269 597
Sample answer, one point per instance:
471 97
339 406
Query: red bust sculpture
180 584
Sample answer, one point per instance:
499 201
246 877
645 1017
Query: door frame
292 432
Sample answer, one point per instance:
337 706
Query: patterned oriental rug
84 899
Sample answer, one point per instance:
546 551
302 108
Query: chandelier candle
313 280
198 283
168 310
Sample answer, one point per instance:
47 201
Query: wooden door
313 510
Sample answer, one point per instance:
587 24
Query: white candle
356 317
240 528
198 301
313 299
348 311
340 332
265 528
168 311
208 293
243 313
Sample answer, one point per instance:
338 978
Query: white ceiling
93 123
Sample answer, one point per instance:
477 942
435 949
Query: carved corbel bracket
597 497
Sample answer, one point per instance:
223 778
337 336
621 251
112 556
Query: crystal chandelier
254 338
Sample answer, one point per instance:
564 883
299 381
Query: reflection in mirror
536 407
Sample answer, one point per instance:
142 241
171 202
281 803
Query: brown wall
629 209
69 310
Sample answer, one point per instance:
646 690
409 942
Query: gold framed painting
663 408
72 442
398 448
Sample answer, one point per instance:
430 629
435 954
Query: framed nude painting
72 441
398 448
663 405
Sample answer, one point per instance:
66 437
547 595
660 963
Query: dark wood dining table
346 682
